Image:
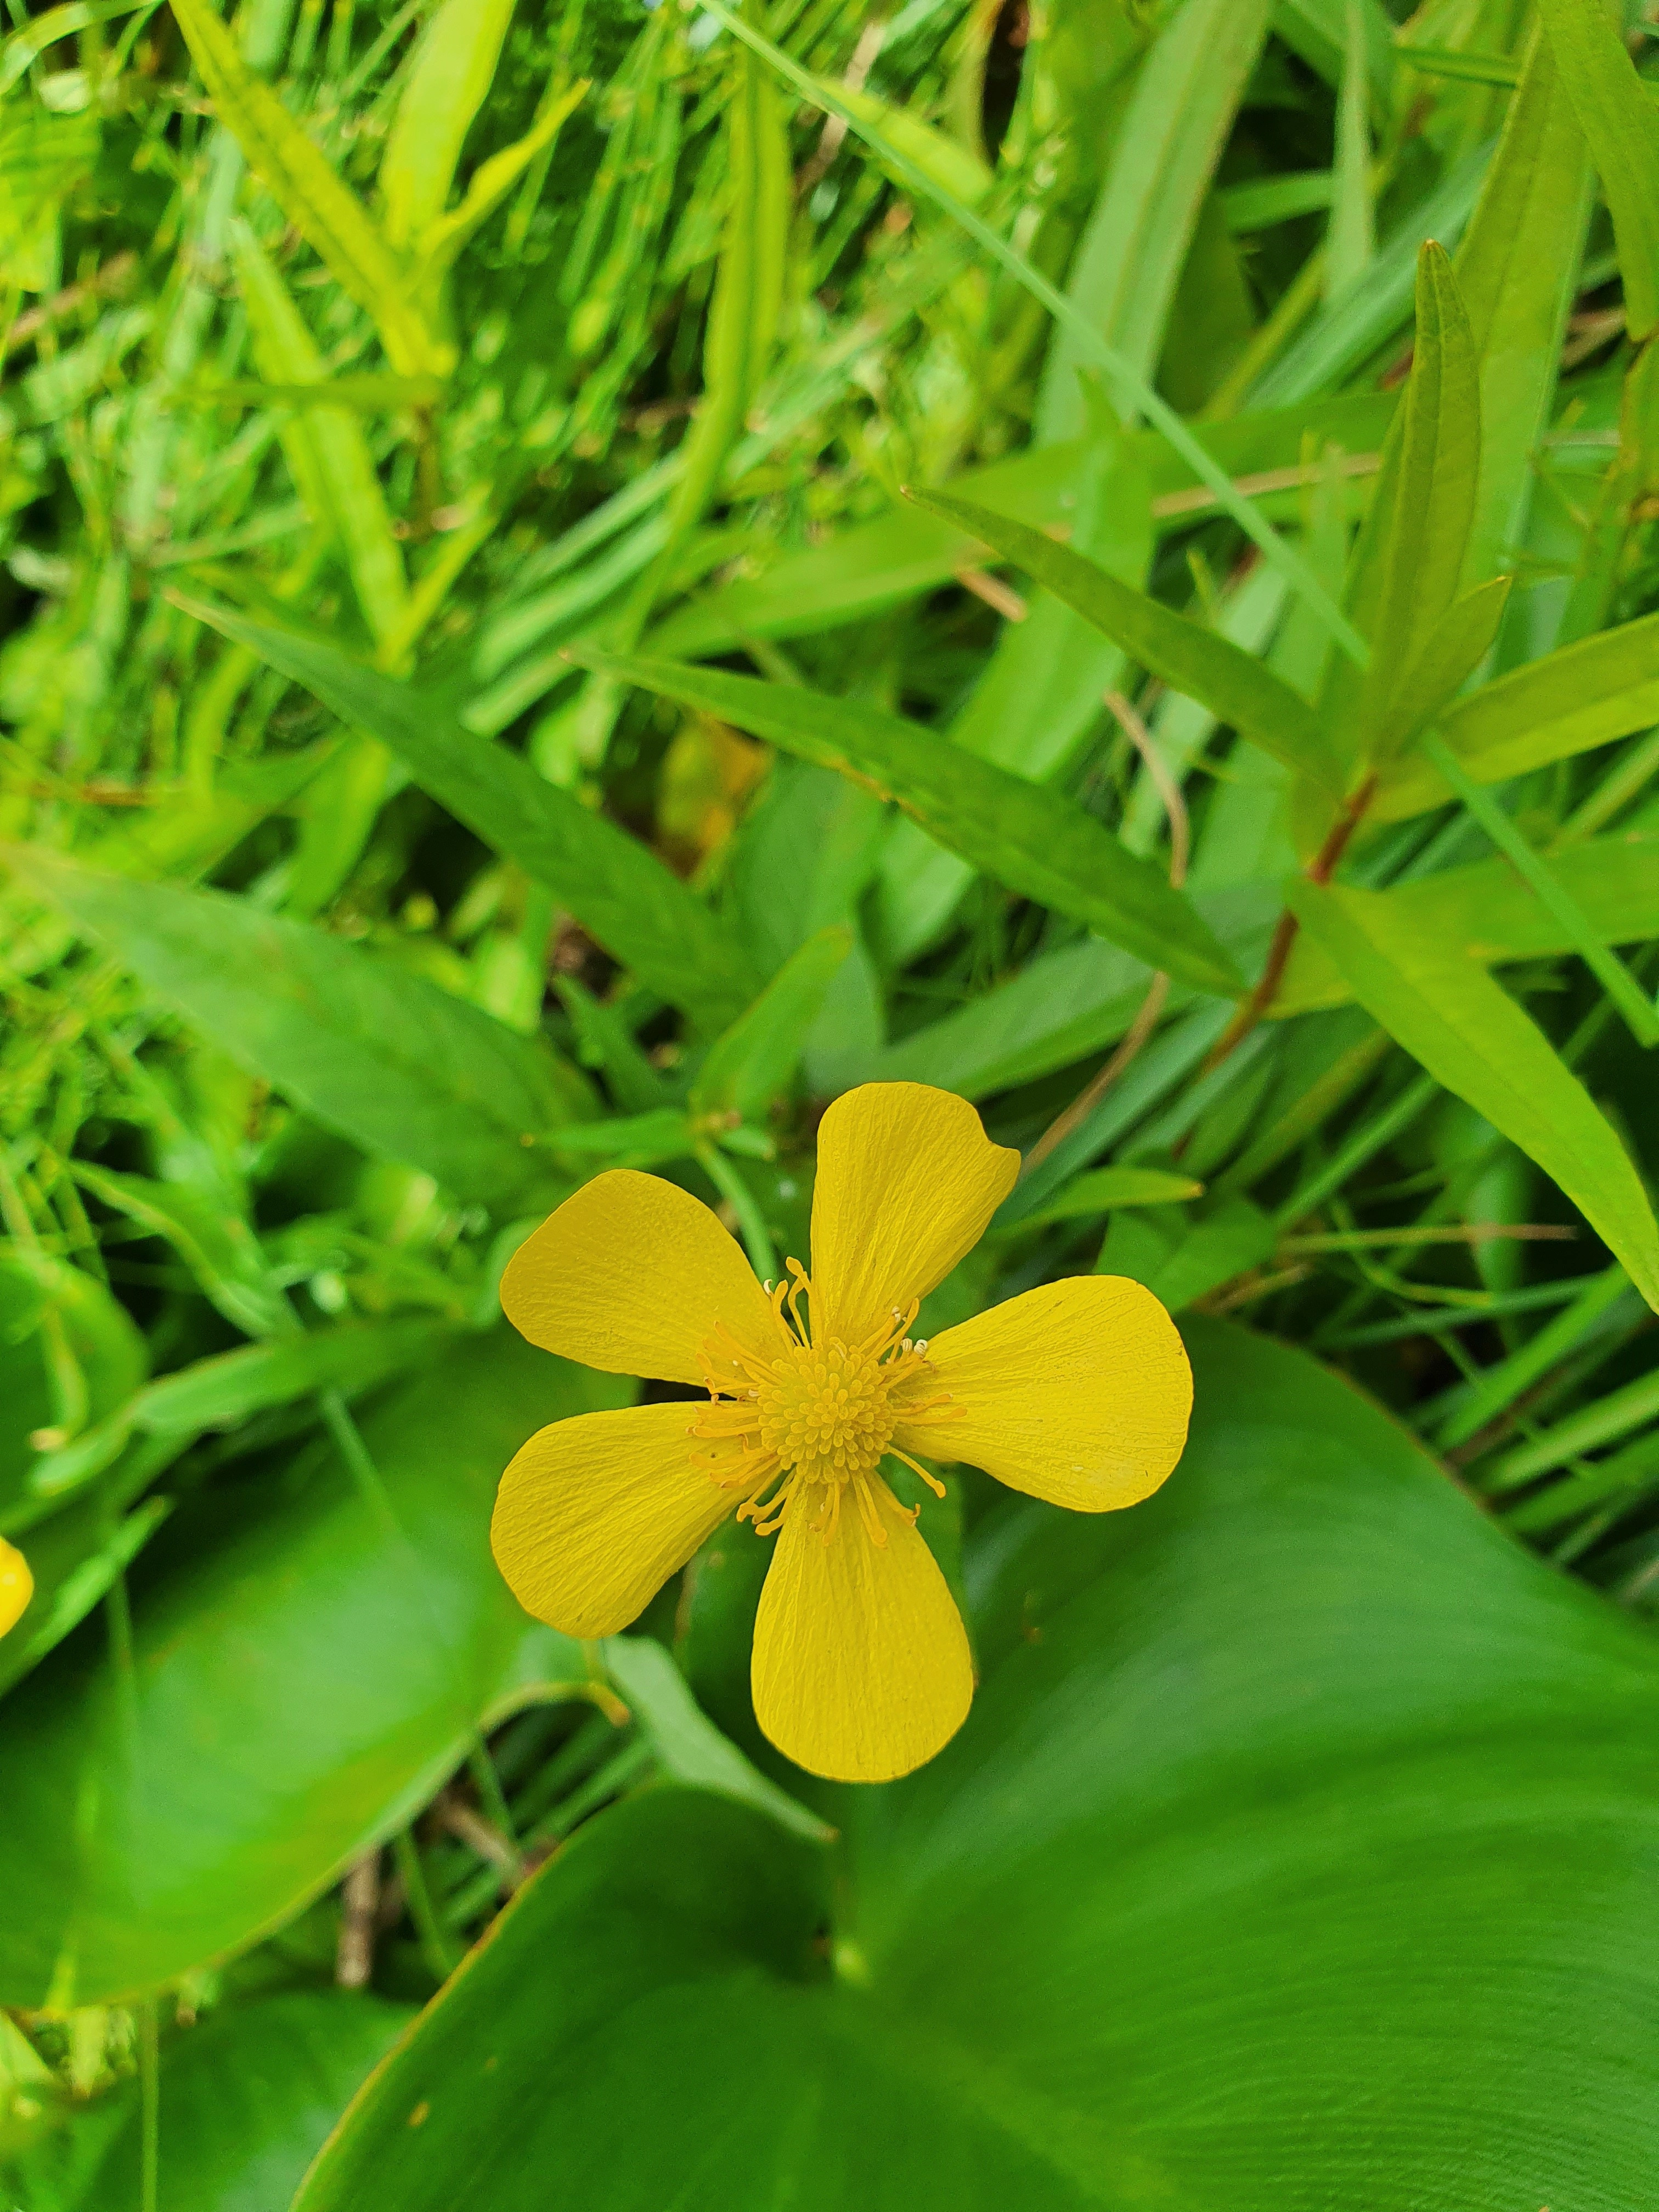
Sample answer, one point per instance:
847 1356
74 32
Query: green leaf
1623 131
326 213
373 1050
1129 260
70 1356
1116 1945
328 453
876 565
74 1557
1410 553
1105 1189
1453 649
690 1748
1518 270
1490 915
1026 836
248 2098
310 1662
619 892
1582 696
1185 654
220 1393
452 69
1472 1037
216 1245
753 1062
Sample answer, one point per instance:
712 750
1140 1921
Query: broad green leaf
299 176
372 1049
689 1745
753 1062
333 469
1582 696
1623 131
877 565
70 1354
310 1664
1490 915
1518 269
1410 555
1115 1946
1188 1259
619 892
1186 654
1450 653
1128 261
74 1557
1026 836
1471 1036
452 69
248 2098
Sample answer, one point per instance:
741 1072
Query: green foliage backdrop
579 582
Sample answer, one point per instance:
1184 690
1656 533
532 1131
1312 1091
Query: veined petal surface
908 1180
595 1513
16 1586
1078 1392
631 1274
862 1668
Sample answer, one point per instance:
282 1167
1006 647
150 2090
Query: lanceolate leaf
1342 1921
748 1067
621 894
1517 270
1451 650
1186 654
380 1055
326 212
1026 836
1474 1039
1412 554
1487 912
1623 131
1587 694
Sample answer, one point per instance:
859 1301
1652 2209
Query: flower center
808 1417
825 1411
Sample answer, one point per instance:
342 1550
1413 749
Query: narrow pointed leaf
299 176
1623 129
1185 654
1473 1038
1026 836
751 1065
621 894
378 1054
1455 646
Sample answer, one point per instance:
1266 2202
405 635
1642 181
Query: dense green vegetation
579 582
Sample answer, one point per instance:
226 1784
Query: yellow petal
595 1513
861 1670
631 1274
908 1179
16 1586
1078 1392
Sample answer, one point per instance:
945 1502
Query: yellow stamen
812 1410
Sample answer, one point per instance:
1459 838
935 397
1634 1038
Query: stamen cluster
813 1412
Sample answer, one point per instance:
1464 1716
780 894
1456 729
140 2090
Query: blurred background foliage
465 637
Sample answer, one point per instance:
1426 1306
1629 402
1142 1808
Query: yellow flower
1078 1392
16 1586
